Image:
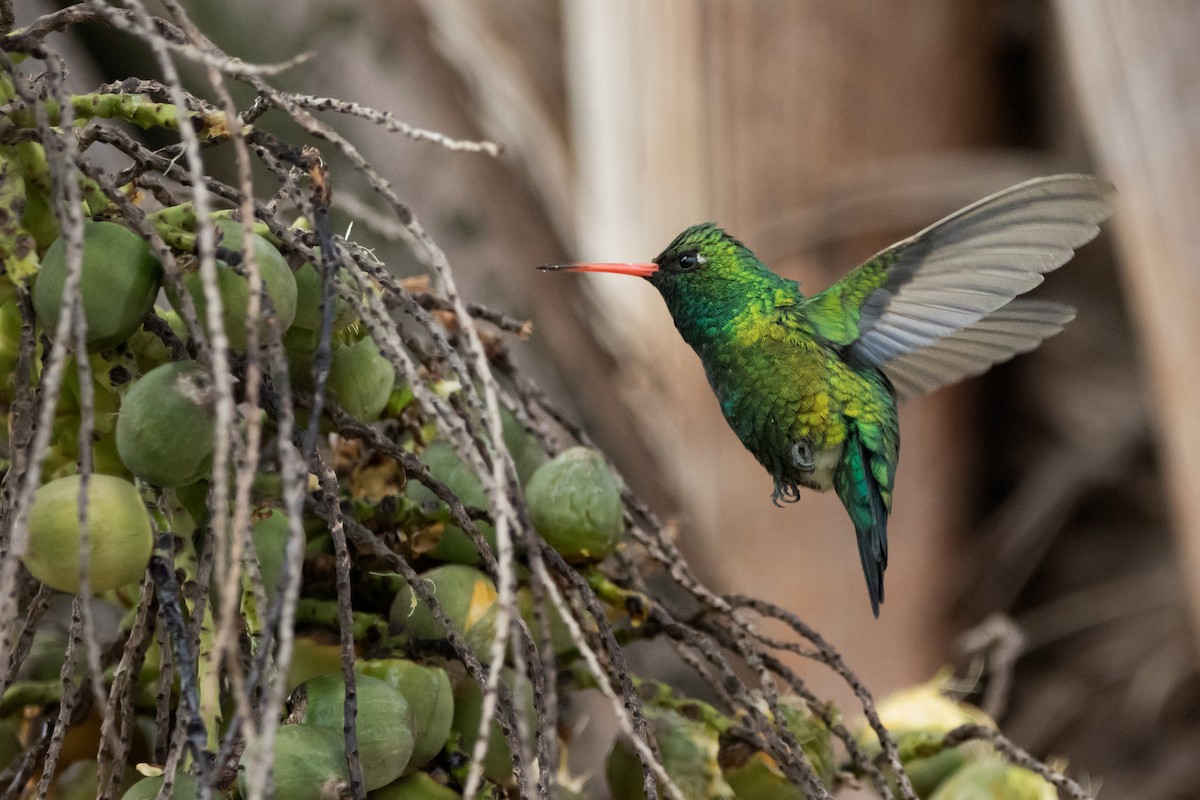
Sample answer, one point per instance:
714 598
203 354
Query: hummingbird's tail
872 550
863 498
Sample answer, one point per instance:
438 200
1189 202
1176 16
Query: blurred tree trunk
741 113
1138 80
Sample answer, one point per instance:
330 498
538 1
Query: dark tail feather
872 543
863 498
872 550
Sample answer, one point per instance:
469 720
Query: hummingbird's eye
688 261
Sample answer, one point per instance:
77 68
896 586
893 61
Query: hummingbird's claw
785 492
802 456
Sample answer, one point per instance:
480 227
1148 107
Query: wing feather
938 306
1016 328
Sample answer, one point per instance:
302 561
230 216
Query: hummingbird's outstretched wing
1013 329
939 306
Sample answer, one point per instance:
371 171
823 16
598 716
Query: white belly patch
824 464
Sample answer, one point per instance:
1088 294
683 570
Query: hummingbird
811 385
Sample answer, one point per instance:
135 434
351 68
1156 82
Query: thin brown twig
390 122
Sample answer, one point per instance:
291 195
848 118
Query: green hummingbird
811 384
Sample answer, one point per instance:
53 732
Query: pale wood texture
1135 69
742 113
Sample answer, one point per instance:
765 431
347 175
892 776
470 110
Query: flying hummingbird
811 384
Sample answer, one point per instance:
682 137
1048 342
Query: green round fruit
235 290
119 534
119 282
270 533
466 595
309 763
526 451
46 655
560 634
309 292
417 786
992 778
575 505
758 777
360 379
918 717
10 343
81 779
429 696
468 714
689 756
316 654
165 430
443 462
10 742
193 500
623 771
184 788
38 217
300 347
147 349
384 723
106 403
754 775
811 734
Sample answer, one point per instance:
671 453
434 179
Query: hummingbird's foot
802 456
785 492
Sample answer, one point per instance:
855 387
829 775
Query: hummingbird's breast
781 397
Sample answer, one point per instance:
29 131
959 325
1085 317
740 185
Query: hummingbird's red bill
637 270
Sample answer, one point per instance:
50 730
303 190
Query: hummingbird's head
703 256
702 269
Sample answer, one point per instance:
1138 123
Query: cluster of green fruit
152 445
708 761
919 718
704 758
153 417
